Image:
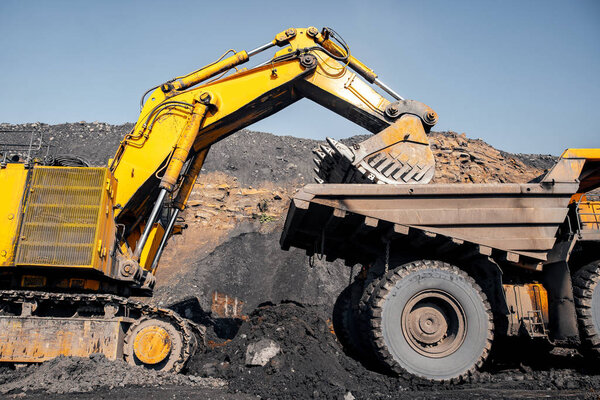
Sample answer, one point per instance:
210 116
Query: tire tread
585 282
377 299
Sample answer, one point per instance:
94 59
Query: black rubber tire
349 327
369 354
586 290
344 321
390 298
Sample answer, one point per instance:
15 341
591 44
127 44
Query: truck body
524 245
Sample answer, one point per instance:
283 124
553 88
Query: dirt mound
256 157
311 363
463 160
252 267
80 375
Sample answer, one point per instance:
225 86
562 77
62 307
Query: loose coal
253 268
80 375
311 363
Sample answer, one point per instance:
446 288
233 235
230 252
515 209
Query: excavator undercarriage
38 326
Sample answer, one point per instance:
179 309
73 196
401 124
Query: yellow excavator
76 242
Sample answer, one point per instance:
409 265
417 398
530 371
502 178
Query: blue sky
522 75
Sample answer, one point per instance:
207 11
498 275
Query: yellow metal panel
34 339
588 154
588 211
62 217
13 179
106 228
151 246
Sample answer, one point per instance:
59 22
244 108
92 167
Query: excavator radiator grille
61 216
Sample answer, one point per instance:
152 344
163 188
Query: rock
261 352
349 396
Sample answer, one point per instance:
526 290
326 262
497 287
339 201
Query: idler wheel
153 343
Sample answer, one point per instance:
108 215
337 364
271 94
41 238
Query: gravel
312 364
80 375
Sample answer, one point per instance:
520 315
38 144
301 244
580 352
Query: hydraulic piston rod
387 89
153 215
163 242
260 49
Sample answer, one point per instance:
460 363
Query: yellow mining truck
77 242
446 268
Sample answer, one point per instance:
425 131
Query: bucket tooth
422 173
410 174
341 149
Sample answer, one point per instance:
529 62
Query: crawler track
99 306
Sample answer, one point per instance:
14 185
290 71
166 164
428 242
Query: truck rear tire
586 290
431 320
345 321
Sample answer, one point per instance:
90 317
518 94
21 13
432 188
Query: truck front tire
431 320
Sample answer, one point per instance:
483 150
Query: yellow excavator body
77 242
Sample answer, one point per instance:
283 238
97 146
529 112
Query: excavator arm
158 162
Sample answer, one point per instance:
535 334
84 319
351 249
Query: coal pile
310 362
81 375
94 141
250 156
303 359
252 267
255 157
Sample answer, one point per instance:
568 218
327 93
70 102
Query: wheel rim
434 323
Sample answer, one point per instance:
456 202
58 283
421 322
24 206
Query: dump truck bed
515 222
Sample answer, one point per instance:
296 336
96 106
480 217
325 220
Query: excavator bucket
399 154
